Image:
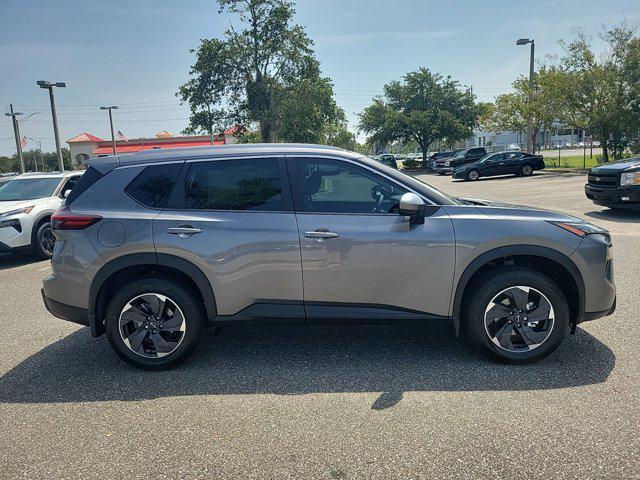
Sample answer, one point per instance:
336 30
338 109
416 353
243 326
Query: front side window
28 188
335 186
245 184
154 185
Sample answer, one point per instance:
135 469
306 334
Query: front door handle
321 234
183 231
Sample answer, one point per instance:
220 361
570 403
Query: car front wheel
473 175
154 323
516 315
527 170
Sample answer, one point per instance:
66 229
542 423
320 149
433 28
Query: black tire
190 305
483 290
526 170
42 246
441 172
473 175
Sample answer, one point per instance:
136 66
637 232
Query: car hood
616 167
499 209
16 204
467 166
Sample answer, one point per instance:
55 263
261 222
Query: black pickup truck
616 184
460 158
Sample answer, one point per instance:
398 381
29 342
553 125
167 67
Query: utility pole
113 138
16 132
49 86
531 143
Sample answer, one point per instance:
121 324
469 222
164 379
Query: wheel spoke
172 324
498 311
494 327
134 314
504 335
518 298
136 338
161 345
541 312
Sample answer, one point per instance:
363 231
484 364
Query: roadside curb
563 171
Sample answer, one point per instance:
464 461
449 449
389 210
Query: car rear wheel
44 241
526 170
473 175
516 315
154 323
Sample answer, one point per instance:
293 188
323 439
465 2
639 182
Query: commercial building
86 145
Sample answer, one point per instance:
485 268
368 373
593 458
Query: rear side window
154 185
234 185
88 178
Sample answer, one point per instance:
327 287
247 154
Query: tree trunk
605 151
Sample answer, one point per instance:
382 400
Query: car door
493 165
360 258
234 220
514 162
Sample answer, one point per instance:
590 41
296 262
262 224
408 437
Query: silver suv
152 247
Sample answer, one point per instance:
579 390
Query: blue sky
135 54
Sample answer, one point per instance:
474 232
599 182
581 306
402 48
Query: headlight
17 211
630 178
582 229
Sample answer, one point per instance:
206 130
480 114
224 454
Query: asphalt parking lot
328 402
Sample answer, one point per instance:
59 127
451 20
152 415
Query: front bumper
66 312
617 196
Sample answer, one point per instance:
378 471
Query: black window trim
177 202
297 193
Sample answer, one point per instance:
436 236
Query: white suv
26 204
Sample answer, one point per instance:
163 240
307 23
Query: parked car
5 177
26 204
389 160
463 157
441 161
503 163
156 244
616 184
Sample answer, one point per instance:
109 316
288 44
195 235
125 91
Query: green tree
255 75
424 107
601 93
514 112
48 159
338 135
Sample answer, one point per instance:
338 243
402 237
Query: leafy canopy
258 74
423 107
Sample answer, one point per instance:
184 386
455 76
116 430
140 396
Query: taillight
65 219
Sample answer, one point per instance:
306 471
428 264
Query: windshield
460 154
28 189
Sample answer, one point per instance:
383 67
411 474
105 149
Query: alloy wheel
473 175
519 319
152 325
47 241
527 170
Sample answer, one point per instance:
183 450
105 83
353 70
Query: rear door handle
183 231
321 234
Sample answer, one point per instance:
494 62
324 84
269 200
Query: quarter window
251 184
334 186
154 185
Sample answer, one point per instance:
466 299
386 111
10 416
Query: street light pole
49 86
531 143
113 138
16 132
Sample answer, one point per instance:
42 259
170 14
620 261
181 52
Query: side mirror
66 193
412 206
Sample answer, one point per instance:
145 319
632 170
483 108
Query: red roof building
85 145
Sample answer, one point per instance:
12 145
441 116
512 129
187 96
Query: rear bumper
66 312
618 196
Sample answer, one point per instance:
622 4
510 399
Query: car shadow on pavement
623 216
12 260
299 360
